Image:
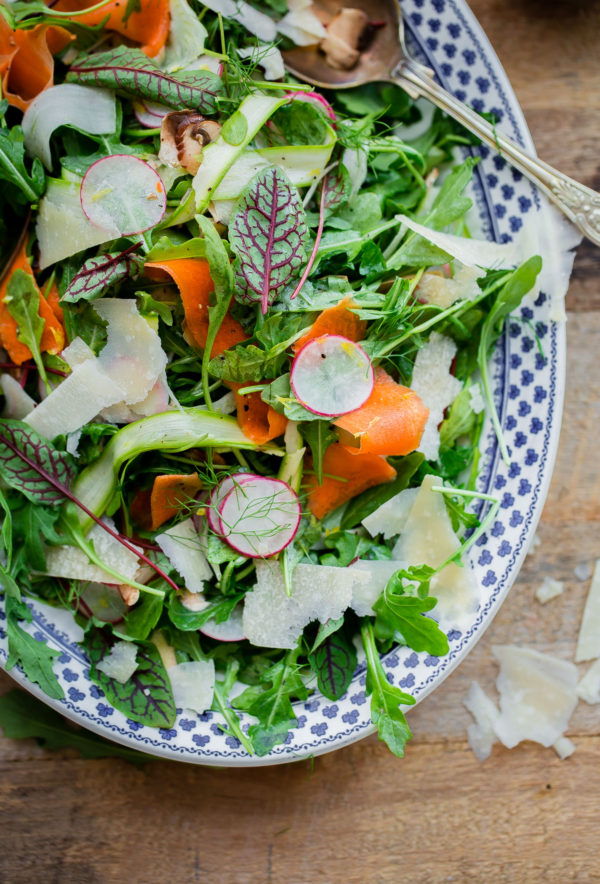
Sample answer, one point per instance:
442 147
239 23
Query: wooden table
360 816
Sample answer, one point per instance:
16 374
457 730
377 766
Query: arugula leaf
268 235
325 630
141 620
385 698
99 274
22 300
271 703
400 611
166 250
83 321
248 363
131 72
147 696
189 621
25 188
221 704
366 503
149 305
33 526
334 662
319 436
23 717
31 465
6 532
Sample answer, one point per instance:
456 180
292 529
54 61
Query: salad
245 332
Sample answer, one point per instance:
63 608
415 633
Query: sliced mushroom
183 136
344 34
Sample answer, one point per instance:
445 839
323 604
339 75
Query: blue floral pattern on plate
528 390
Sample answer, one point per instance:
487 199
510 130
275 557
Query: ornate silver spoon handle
580 204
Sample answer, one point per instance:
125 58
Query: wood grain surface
360 816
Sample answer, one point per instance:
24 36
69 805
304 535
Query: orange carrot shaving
53 335
338 320
192 278
149 25
169 494
259 422
53 299
391 421
344 476
26 62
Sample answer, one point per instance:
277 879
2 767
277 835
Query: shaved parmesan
193 684
582 571
481 735
254 21
564 747
390 518
77 353
445 291
72 562
549 589
588 688
18 403
476 397
365 594
269 58
428 539
226 404
120 663
186 37
435 385
471 252
181 546
588 644
133 356
62 228
75 402
537 695
272 619
301 25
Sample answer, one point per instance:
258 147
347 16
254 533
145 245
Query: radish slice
230 630
123 194
104 601
150 113
331 375
315 99
218 495
260 516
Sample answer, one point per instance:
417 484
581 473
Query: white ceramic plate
528 391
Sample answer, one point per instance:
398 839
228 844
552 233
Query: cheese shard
549 589
390 518
437 388
272 619
193 684
564 747
120 663
366 593
588 644
17 403
181 546
72 562
482 734
133 356
445 291
75 402
588 688
428 539
537 695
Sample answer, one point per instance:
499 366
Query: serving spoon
387 59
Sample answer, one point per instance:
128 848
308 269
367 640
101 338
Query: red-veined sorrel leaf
334 662
97 275
29 463
33 466
132 72
268 235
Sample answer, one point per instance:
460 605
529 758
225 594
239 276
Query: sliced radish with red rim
230 630
331 375
218 495
104 601
123 194
260 517
150 113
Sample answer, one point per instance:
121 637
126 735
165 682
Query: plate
528 390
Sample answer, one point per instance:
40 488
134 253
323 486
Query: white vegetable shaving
254 21
390 518
120 663
588 688
181 547
193 684
549 589
588 643
272 619
269 58
187 34
18 403
472 252
301 25
428 539
432 381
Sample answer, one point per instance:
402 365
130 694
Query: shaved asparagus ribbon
171 431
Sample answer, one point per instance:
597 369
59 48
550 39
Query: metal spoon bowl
386 59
